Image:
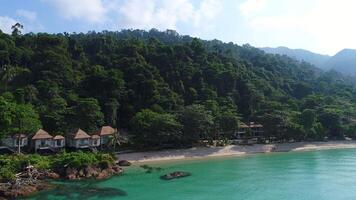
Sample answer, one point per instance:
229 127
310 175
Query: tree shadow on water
81 192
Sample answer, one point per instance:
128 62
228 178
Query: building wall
8 142
12 142
43 143
62 143
81 142
105 139
95 142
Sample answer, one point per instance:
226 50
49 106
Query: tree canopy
166 86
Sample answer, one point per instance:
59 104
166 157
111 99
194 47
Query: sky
322 26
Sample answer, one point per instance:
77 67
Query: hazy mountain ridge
318 60
344 61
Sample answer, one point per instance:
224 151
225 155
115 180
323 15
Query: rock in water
175 175
124 163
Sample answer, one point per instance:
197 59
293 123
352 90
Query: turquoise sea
325 175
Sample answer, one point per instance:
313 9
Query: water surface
327 175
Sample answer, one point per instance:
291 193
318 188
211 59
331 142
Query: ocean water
314 175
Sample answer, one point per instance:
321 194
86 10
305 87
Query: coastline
231 150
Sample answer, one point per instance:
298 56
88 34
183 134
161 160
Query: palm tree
114 140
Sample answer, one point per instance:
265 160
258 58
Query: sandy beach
231 150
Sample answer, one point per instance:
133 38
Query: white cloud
167 14
26 14
141 14
92 11
207 11
6 23
250 7
328 23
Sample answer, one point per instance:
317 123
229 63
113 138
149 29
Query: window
58 143
83 142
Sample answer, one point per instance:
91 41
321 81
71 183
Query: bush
40 162
81 159
6 174
75 159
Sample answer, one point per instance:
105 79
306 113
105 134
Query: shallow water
327 175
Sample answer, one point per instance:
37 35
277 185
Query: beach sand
231 150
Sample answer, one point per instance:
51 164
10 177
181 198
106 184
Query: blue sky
323 26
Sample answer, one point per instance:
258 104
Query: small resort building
42 140
78 139
58 141
95 141
15 141
251 132
105 133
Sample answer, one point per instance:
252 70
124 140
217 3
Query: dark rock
117 169
71 173
52 175
124 163
175 175
103 174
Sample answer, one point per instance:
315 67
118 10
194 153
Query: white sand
232 150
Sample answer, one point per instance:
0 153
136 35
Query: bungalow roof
41 134
78 134
105 130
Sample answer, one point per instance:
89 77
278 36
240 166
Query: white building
15 140
105 133
42 140
78 139
58 141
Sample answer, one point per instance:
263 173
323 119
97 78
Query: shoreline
230 150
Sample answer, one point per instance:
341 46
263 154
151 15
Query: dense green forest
164 88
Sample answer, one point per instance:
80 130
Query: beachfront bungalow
256 129
78 139
105 133
95 141
251 131
58 142
42 140
242 131
15 141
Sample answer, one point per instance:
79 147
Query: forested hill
165 88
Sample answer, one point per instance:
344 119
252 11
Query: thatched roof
78 134
243 125
58 137
250 125
255 125
105 130
41 134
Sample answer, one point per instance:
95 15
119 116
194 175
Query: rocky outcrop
124 163
92 172
48 175
13 191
